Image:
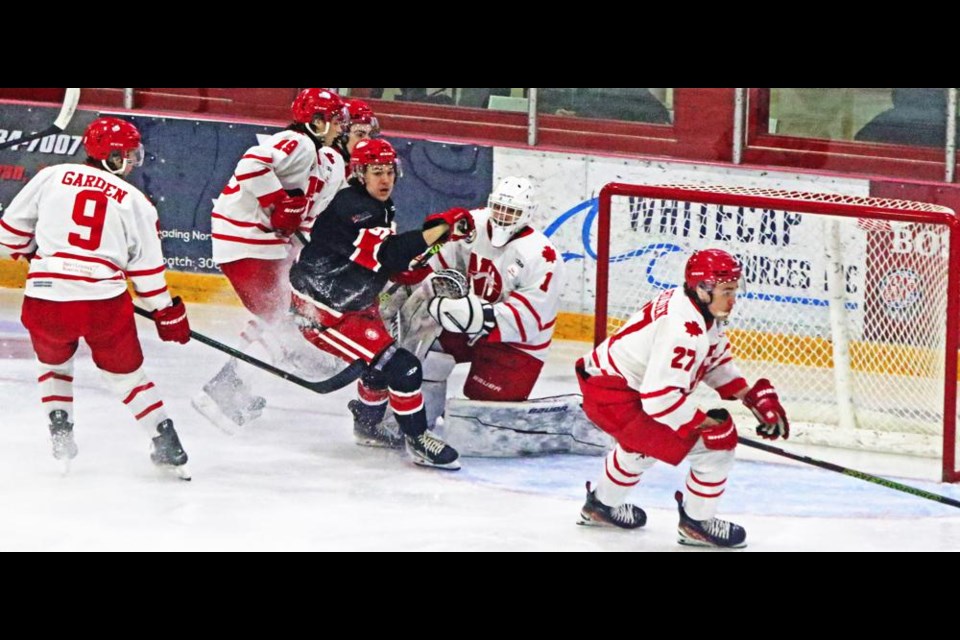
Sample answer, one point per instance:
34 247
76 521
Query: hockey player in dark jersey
353 251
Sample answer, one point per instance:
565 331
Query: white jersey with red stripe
664 351
91 230
522 279
285 162
331 170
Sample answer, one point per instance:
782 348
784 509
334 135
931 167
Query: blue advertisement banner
189 161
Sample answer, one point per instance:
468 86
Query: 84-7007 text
59 144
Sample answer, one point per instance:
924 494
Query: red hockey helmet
710 268
325 102
361 113
105 135
373 151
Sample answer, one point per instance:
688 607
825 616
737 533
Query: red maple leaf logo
549 254
693 328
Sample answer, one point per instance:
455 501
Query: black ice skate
428 450
708 533
625 516
227 402
368 433
167 452
61 435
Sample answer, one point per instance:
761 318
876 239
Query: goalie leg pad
532 427
416 330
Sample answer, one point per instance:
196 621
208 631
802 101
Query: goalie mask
115 143
511 206
312 106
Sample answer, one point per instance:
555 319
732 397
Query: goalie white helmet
511 207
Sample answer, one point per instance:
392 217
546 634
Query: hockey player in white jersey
636 386
86 231
503 326
277 190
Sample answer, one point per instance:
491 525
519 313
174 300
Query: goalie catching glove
469 315
448 283
763 401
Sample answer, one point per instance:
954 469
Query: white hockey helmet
511 207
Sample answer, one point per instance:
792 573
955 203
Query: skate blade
450 466
376 443
697 542
179 472
206 407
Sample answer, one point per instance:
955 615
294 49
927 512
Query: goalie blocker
537 426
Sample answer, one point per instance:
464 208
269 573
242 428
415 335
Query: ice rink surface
295 481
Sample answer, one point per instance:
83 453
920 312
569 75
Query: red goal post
851 308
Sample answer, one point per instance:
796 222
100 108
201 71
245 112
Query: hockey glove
287 215
459 220
763 401
723 436
172 323
469 315
411 276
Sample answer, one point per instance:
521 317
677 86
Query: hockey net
850 309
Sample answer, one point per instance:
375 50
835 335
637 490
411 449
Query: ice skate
708 533
227 402
595 513
368 433
428 450
61 436
166 451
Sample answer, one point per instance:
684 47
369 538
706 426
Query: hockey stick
890 484
353 371
421 260
70 100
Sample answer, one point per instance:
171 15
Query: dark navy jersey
353 250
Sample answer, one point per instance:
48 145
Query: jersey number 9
89 210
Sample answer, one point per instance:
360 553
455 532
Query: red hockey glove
287 215
459 220
721 436
411 277
172 323
762 399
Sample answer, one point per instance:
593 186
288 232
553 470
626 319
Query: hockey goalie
492 302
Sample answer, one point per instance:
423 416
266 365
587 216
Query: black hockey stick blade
338 381
890 484
70 100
